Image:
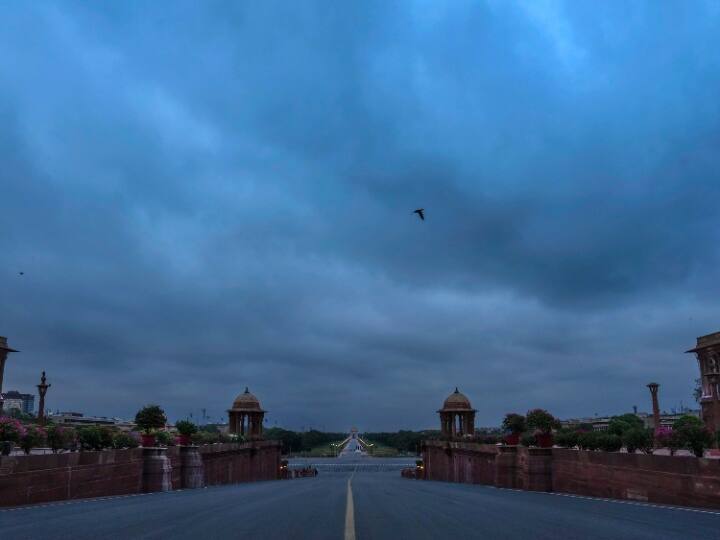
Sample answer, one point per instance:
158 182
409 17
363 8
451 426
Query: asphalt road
384 506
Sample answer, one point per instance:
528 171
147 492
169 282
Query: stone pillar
157 471
537 469
656 407
506 467
42 390
192 468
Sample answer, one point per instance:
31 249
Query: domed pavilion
246 416
457 417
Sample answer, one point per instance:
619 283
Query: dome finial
456 390
247 391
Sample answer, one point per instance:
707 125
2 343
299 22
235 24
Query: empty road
383 506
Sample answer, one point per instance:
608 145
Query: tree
541 420
514 423
692 434
609 442
638 439
589 440
150 417
620 424
185 427
567 438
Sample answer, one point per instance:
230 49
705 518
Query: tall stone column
656 407
42 390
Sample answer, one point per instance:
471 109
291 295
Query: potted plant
11 431
543 423
149 419
186 429
60 437
514 424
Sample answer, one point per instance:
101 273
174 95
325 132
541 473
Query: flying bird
22 273
420 212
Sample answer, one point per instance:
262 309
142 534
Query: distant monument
4 351
457 417
707 351
246 416
42 390
653 386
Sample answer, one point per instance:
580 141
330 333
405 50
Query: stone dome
246 401
457 401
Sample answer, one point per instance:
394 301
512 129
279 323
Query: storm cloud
204 196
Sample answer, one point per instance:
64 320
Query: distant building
601 423
77 419
12 399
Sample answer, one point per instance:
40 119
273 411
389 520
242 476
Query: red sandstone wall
234 463
53 477
77 475
468 463
685 481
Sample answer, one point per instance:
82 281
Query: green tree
514 423
638 439
541 420
150 418
692 434
620 424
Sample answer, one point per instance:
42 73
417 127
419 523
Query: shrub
670 440
528 440
609 442
60 437
11 429
693 437
106 436
489 439
122 439
34 436
204 437
638 439
514 423
541 420
150 417
164 438
90 438
185 427
567 438
589 440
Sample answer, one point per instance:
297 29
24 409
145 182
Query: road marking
350 512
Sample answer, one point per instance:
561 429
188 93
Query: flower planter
544 440
148 440
512 439
182 440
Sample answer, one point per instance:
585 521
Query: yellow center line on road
350 512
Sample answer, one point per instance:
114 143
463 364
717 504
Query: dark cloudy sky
210 195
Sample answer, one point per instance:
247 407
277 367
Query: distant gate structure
353 444
246 416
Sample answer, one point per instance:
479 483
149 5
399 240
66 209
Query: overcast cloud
209 195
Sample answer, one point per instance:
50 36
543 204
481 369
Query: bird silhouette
420 212
22 273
